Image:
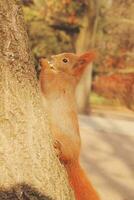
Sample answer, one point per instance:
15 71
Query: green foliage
44 39
31 13
53 25
96 99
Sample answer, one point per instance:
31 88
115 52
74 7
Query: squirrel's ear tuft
43 63
87 57
82 62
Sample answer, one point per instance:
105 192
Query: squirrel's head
69 63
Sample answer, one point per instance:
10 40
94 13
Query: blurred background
107 26
106 91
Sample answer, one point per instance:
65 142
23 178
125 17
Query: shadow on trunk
22 192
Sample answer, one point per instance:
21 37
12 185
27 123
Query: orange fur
78 180
58 80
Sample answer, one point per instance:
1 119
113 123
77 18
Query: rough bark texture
29 168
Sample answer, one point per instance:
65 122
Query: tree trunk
83 88
29 168
85 40
83 91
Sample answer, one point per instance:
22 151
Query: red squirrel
58 80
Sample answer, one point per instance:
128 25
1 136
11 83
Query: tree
85 41
29 167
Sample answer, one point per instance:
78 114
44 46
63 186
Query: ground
108 154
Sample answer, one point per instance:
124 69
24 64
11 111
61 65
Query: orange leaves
67 1
116 86
72 19
113 62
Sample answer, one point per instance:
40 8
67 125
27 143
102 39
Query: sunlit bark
29 168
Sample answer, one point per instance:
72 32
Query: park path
108 155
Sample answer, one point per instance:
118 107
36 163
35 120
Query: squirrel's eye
65 60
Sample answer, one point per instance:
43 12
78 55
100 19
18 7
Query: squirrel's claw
57 147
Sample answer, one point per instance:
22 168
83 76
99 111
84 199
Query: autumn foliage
116 86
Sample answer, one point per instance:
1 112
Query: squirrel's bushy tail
82 187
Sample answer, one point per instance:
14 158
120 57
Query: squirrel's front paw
57 147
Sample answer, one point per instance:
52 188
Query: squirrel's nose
53 59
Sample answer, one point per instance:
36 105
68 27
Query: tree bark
29 168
